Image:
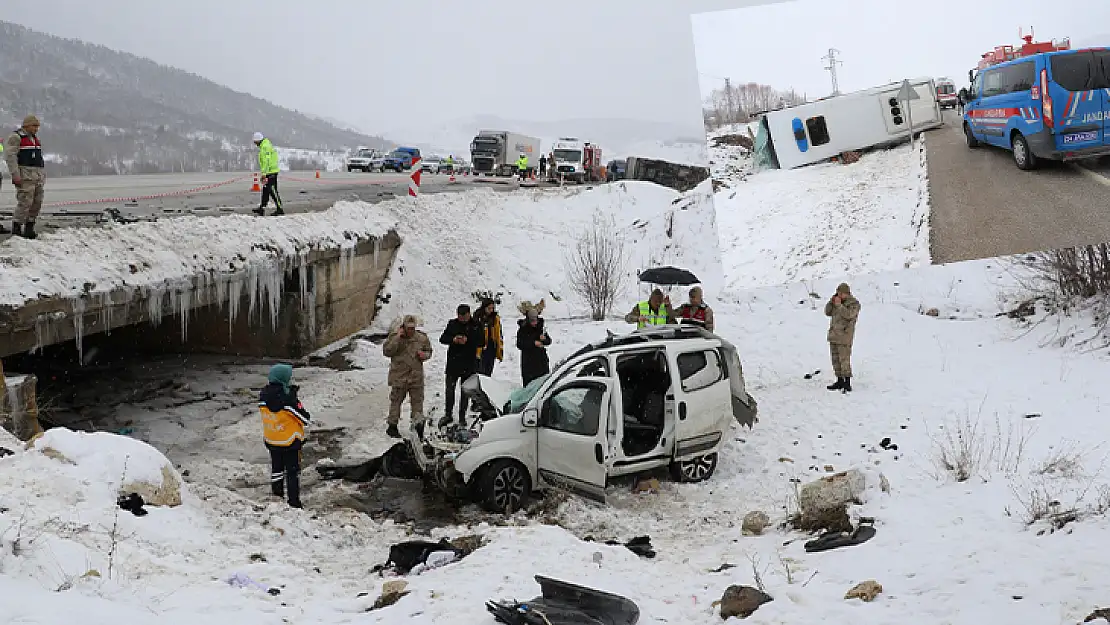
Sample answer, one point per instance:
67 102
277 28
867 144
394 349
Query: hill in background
110 112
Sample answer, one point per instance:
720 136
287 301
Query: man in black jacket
463 337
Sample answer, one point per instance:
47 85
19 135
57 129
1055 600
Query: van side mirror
530 418
971 75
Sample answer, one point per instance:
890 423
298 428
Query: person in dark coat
463 337
492 346
532 341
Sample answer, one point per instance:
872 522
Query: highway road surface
81 200
984 206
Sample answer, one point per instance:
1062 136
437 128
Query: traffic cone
317 174
533 175
452 178
255 188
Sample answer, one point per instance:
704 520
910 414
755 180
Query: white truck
495 152
577 160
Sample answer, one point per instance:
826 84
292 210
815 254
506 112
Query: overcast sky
879 40
393 65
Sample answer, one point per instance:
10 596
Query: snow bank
456 244
329 161
829 219
168 252
114 463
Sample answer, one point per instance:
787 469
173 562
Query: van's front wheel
504 486
697 470
1023 156
969 137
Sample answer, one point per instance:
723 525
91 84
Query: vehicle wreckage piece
564 603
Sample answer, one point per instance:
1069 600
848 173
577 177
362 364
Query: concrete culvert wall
285 306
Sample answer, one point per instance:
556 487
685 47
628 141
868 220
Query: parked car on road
366 160
397 161
430 165
658 397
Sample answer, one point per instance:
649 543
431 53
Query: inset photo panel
810 147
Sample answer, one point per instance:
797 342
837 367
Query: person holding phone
842 310
407 349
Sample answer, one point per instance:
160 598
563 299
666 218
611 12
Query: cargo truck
495 152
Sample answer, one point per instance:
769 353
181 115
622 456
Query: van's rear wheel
697 470
969 138
1023 156
504 486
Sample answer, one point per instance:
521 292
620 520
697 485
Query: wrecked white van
657 397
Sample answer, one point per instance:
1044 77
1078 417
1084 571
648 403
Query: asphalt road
83 198
984 206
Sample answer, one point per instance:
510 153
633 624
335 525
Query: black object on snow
397 462
563 603
404 556
4 451
832 540
133 503
668 276
640 545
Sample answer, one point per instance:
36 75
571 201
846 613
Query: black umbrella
668 276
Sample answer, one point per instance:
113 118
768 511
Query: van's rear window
1079 72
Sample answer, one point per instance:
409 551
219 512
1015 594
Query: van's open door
704 402
572 438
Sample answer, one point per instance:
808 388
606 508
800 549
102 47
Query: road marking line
1093 175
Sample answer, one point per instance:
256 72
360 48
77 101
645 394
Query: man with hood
492 347
27 165
407 349
655 311
283 422
268 169
463 337
843 311
532 340
697 310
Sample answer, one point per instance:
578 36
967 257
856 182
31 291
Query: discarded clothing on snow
133 503
397 462
563 603
833 540
405 558
640 545
239 580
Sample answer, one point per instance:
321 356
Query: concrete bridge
285 306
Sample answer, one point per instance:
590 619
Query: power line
831 67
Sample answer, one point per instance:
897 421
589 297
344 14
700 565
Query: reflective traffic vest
653 318
522 163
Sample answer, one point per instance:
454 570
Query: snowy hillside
826 219
1024 410
109 112
618 138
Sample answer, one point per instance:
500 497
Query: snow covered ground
829 219
327 161
945 551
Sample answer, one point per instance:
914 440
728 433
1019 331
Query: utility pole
831 67
728 98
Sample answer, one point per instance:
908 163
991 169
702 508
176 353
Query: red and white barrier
414 179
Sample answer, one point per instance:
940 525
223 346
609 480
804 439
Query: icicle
221 293
312 303
79 327
252 286
274 283
302 272
154 304
376 243
234 297
184 305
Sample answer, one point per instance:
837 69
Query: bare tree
595 266
745 100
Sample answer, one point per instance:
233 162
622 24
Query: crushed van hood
487 394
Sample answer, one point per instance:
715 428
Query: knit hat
30 120
257 137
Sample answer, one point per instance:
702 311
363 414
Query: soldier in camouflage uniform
24 156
